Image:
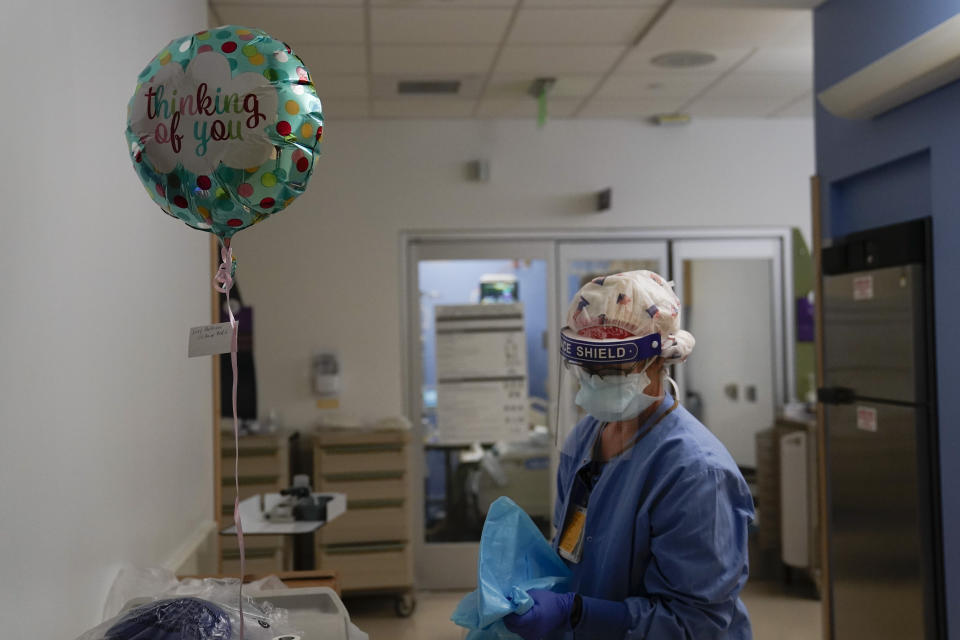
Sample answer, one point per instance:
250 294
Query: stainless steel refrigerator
881 436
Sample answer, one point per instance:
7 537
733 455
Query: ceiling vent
683 59
428 87
413 87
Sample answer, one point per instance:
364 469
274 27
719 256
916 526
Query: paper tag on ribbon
210 340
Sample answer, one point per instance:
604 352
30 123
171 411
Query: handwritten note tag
210 340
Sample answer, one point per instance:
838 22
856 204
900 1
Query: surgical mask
614 398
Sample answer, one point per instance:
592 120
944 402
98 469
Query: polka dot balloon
224 128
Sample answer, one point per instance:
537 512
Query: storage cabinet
795 477
264 467
368 546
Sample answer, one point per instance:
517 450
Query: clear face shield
605 384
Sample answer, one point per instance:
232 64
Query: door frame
453 565
450 565
782 329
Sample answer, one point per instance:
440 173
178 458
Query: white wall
326 272
105 455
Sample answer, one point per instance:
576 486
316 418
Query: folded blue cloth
514 558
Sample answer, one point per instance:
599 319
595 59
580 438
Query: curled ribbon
223 280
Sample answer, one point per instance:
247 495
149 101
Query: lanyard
570 543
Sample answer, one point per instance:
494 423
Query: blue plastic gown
666 531
514 558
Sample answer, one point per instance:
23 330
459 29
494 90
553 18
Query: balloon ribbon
223 282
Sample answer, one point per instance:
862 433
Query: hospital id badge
571 541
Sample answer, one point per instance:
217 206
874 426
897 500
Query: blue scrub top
666 530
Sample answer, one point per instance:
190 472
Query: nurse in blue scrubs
652 512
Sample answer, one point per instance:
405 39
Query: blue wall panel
860 31
882 195
893 168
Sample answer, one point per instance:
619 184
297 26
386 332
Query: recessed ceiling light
683 59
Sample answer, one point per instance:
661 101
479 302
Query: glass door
580 262
478 340
482 325
733 296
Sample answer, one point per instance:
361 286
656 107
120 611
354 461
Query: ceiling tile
593 4
287 3
800 35
756 107
299 24
742 84
656 85
579 26
709 28
341 86
639 108
802 108
770 4
343 109
516 86
525 109
446 4
557 60
447 60
324 59
436 25
639 61
423 108
781 60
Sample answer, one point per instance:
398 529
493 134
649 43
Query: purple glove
549 611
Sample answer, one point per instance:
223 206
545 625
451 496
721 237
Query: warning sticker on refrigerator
863 288
867 419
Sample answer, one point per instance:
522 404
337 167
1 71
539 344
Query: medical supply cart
264 467
370 545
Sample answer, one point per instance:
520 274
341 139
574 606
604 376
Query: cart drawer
228 543
384 566
251 486
332 437
256 564
266 445
360 459
366 525
393 487
253 466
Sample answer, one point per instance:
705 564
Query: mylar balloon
223 128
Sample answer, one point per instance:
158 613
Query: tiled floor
430 620
778 615
775 614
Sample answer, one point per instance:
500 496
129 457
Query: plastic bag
514 558
188 610
137 582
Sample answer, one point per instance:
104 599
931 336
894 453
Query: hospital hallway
480 320
775 612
